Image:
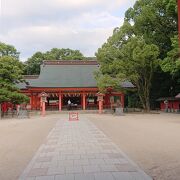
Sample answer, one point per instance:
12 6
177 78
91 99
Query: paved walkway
78 150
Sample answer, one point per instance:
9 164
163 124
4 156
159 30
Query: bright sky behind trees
39 25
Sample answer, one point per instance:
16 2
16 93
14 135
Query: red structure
170 104
68 80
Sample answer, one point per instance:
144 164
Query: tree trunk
144 98
147 104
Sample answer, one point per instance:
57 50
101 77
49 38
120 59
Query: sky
40 25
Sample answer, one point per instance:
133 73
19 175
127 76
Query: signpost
73 116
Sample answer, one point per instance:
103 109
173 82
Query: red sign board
73 116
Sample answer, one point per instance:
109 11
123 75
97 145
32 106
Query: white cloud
29 7
39 25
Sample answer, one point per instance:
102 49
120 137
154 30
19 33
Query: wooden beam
40 89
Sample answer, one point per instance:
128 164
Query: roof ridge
70 62
30 76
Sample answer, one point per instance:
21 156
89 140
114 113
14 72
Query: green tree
130 59
171 64
11 74
132 52
8 50
156 21
32 65
63 54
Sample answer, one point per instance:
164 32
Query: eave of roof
30 77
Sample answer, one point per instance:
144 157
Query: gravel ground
19 140
151 140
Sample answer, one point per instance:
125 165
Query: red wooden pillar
60 101
179 20
38 102
32 101
84 101
81 101
35 101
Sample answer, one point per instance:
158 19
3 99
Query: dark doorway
75 102
52 103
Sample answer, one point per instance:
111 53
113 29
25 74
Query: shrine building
68 80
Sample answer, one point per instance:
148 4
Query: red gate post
60 101
84 101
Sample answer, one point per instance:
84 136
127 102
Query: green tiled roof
66 76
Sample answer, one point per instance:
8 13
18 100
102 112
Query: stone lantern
43 96
100 101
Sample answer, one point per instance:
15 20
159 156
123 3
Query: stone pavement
78 150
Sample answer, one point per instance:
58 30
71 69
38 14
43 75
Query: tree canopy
156 21
11 70
34 62
8 50
143 50
134 61
171 63
10 74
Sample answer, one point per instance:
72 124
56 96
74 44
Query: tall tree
153 21
171 64
10 74
63 54
134 61
33 63
8 50
156 21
